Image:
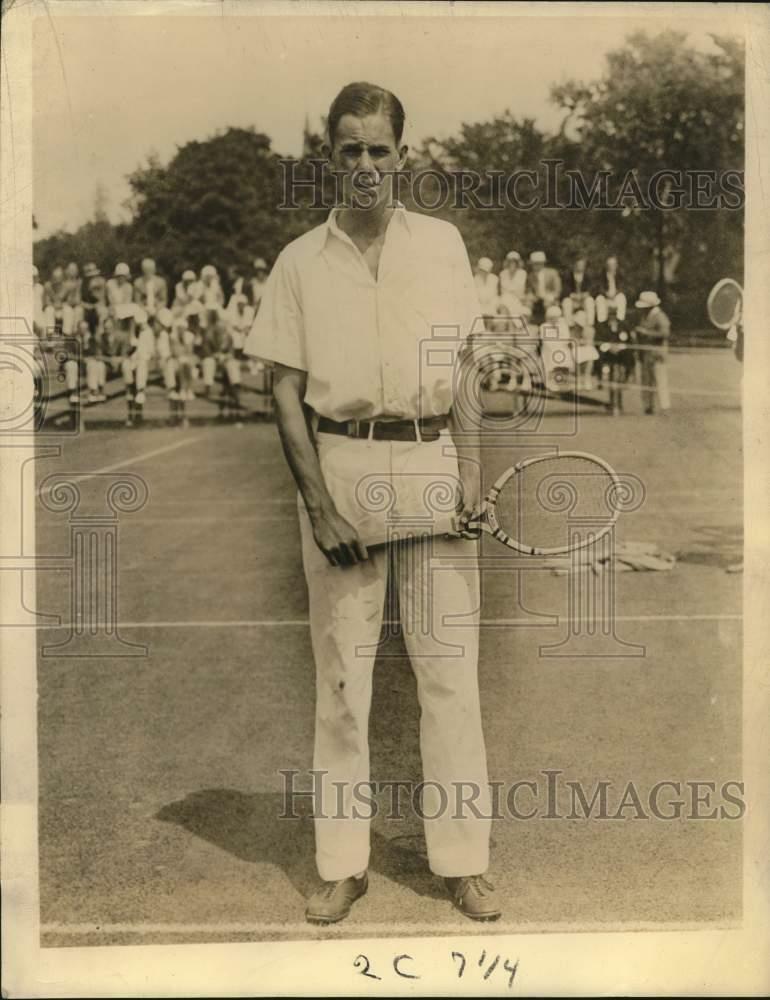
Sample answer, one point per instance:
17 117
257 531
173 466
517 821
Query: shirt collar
330 227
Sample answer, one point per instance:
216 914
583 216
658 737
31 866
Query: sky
108 90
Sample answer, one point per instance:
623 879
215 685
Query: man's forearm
299 449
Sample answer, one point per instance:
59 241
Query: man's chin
369 200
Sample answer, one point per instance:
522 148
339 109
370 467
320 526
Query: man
543 287
577 292
609 294
74 292
57 312
150 289
513 284
653 331
38 304
347 309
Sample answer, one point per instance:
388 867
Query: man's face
72 270
580 265
366 154
612 264
537 265
148 268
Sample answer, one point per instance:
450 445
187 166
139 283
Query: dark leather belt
385 430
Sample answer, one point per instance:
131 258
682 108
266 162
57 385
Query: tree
664 105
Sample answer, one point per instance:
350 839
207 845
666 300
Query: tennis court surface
160 790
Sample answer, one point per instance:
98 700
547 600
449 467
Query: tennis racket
724 303
549 505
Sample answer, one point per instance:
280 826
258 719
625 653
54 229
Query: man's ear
402 152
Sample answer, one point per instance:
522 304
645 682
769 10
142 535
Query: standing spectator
577 291
150 289
187 290
487 289
653 331
257 284
543 286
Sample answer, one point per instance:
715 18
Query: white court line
79 478
352 929
304 622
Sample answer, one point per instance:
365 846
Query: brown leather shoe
473 896
332 900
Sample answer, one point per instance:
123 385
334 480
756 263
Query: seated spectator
58 314
609 293
543 288
187 290
577 291
513 283
256 287
94 297
150 289
120 293
487 288
212 295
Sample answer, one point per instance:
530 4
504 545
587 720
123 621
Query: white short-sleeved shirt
371 348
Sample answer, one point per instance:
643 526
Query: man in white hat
136 363
487 288
543 287
150 289
653 331
513 284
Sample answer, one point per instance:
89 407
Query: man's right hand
338 540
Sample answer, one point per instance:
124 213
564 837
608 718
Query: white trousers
438 590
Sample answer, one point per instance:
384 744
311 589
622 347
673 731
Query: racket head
553 504
724 303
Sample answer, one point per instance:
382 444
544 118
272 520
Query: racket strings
556 503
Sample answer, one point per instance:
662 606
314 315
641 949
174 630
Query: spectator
256 287
513 283
94 298
57 311
543 287
136 364
487 288
150 289
212 295
577 291
120 293
74 292
610 297
653 331
187 290
240 316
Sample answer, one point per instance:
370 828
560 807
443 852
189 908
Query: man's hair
362 99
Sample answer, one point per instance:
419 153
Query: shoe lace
480 884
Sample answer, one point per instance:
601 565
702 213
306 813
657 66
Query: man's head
484 266
580 264
148 267
57 275
260 268
209 274
612 264
188 277
366 125
72 270
647 301
537 260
